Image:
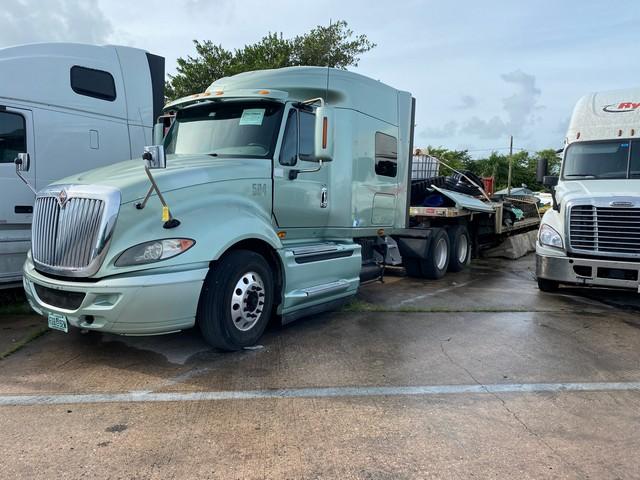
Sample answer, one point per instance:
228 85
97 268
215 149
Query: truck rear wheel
236 301
460 243
437 261
548 286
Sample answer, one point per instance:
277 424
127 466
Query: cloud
29 21
447 130
519 109
468 102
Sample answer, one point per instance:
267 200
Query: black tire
548 286
436 264
460 242
412 267
219 327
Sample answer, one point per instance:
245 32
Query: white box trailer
71 107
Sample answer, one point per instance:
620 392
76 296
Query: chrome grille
72 226
605 230
66 237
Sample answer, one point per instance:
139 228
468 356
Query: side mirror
154 158
550 181
324 131
158 134
23 162
542 170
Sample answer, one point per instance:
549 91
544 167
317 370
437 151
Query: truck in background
591 236
71 108
278 194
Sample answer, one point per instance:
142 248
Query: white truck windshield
226 129
617 159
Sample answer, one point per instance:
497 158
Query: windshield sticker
252 116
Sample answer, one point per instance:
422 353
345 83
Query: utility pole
510 164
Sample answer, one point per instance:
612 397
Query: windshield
617 159
226 129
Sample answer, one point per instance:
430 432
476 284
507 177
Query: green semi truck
273 193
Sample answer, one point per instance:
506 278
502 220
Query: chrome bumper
135 304
586 271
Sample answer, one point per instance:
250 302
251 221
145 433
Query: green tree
334 45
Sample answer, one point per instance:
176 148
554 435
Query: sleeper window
93 83
12 136
386 155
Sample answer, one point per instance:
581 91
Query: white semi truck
71 108
591 236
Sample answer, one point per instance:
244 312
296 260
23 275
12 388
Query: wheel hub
247 301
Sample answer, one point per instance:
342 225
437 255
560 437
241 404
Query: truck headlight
150 252
549 237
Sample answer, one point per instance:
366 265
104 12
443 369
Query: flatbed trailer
471 225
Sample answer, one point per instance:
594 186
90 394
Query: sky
480 71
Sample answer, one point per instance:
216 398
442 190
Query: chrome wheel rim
247 301
441 254
463 249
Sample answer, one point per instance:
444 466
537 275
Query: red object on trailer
489 185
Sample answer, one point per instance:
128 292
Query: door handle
324 201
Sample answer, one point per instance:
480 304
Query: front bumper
587 271
144 303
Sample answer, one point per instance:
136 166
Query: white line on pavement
328 392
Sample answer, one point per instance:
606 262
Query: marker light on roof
264 92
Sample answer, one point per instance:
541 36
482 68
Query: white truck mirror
23 162
158 134
324 134
154 158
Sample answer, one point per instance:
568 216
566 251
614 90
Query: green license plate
58 322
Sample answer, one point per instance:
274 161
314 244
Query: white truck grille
72 226
614 231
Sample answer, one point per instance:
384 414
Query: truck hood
575 189
182 171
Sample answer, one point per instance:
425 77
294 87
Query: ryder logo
621 107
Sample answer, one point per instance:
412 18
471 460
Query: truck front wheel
236 301
548 286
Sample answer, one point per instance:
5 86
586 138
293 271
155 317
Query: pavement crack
513 414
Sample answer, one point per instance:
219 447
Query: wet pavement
477 375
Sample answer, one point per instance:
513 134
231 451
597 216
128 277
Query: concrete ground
478 375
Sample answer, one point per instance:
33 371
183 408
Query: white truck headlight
549 237
150 252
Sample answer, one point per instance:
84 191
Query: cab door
16 136
16 207
300 199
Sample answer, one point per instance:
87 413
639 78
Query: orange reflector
219 92
264 92
185 243
381 232
325 127
206 94
282 235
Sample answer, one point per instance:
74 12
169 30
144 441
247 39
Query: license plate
58 322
